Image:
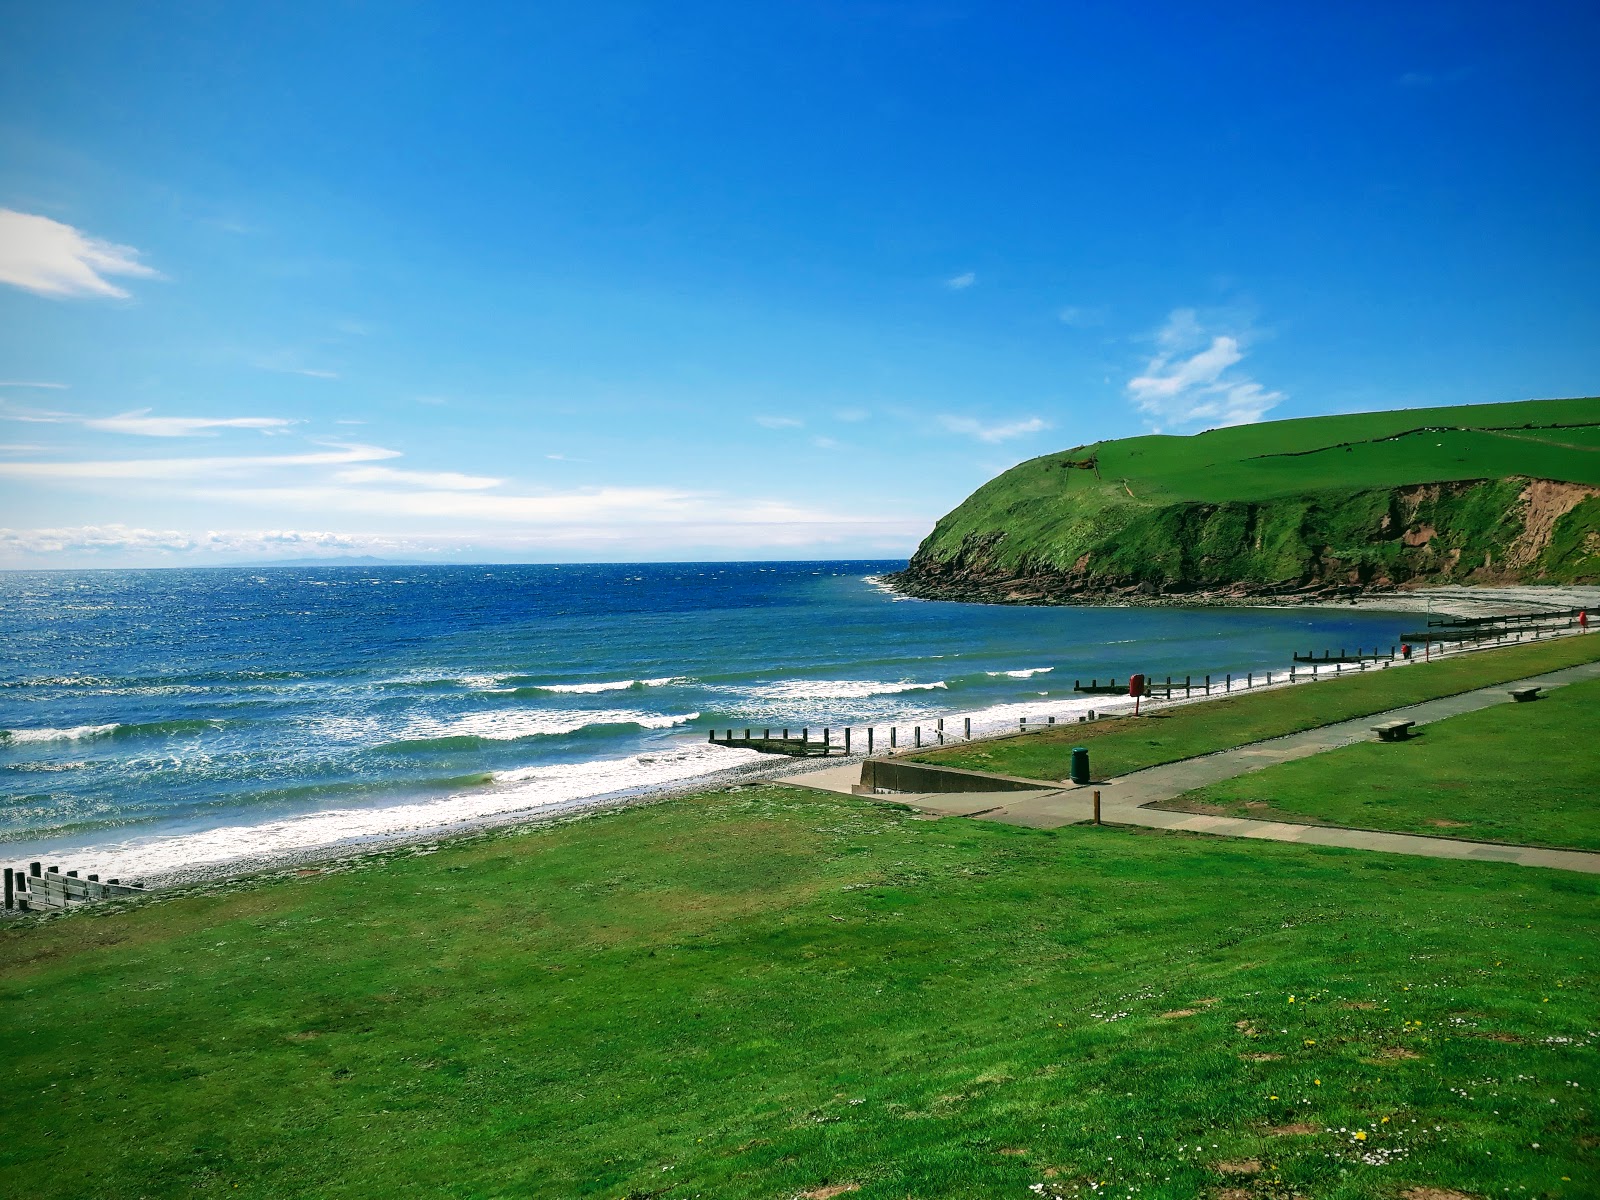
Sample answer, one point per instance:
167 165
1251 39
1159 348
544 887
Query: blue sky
643 281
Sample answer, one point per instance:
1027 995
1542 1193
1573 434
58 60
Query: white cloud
144 425
139 422
452 481
1080 317
961 282
994 433
31 383
824 443
51 259
1190 379
174 469
779 422
851 414
117 538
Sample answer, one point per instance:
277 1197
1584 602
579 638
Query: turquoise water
161 717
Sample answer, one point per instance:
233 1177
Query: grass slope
1117 746
766 992
1267 503
1518 773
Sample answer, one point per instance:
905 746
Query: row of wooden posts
806 746
38 888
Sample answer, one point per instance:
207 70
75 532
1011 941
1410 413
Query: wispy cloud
1191 380
1004 431
961 282
144 425
117 538
1081 317
851 414
779 422
32 383
140 423
450 481
289 362
172 470
51 259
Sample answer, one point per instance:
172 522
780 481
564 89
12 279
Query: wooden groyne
1360 656
41 889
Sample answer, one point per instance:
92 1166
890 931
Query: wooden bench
1393 731
1523 694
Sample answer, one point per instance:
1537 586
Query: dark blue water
154 717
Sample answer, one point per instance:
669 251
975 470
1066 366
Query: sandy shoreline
1463 602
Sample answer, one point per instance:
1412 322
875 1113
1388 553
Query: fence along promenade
851 741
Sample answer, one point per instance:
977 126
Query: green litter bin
1080 765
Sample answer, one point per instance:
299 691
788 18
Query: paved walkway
1123 800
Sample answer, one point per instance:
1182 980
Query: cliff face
1512 530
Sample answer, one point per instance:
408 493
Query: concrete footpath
1123 799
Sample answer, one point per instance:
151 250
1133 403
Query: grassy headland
1119 745
1516 773
772 992
1492 493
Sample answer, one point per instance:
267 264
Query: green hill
1491 493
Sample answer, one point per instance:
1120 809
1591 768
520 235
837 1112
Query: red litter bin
1136 690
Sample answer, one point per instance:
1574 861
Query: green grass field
1117 746
1525 773
1279 502
773 992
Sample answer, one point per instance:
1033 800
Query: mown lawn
769 991
1525 773
1117 746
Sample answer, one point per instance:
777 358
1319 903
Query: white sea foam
524 790
877 582
619 685
525 723
835 689
1025 673
77 733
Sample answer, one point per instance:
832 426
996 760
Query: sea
157 721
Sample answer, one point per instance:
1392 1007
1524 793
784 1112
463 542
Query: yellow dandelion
1318 1082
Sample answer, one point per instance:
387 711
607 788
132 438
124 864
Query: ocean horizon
158 720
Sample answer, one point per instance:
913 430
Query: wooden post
1050 721
827 738
1228 687
916 731
940 728
766 735
1185 687
891 737
11 901
33 869
805 735
1097 806
747 735
786 734
1022 724
713 736
1249 681
1208 685
968 733
847 741
869 739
